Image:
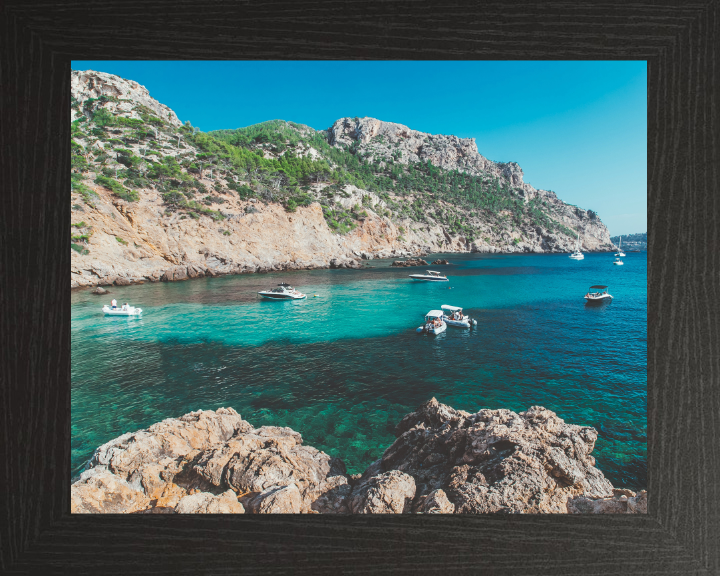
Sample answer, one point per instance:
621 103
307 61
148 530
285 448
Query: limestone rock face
497 460
410 262
86 84
207 503
211 462
149 240
386 142
621 502
277 500
449 152
102 491
435 503
390 492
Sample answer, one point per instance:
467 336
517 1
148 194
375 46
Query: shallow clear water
343 368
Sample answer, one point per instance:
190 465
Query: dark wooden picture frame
679 41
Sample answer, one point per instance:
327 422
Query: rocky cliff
443 461
154 199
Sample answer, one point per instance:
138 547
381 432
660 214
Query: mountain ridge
155 199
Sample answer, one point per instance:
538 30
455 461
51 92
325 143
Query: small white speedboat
453 316
433 323
618 262
600 294
431 276
282 292
122 311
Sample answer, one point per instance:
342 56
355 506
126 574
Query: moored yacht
433 323
282 292
618 262
453 316
431 276
125 310
620 252
600 294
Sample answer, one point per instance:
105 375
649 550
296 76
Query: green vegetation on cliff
290 164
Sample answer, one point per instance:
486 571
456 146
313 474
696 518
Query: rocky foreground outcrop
443 461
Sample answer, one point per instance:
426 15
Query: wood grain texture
681 535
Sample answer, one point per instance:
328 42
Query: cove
343 368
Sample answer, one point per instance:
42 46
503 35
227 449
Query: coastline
191 271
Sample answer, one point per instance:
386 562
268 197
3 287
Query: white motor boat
282 292
618 262
124 310
600 294
433 323
577 255
453 316
620 252
431 276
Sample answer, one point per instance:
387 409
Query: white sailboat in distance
620 252
577 255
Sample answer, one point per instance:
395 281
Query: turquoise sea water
342 369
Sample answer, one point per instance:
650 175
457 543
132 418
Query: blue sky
578 128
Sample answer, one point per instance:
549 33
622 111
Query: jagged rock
410 262
389 492
621 502
102 491
272 456
277 500
149 459
99 290
170 496
441 261
175 274
86 84
334 500
195 271
215 452
206 503
497 460
435 503
443 461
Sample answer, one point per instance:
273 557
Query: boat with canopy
433 323
600 294
125 310
453 316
